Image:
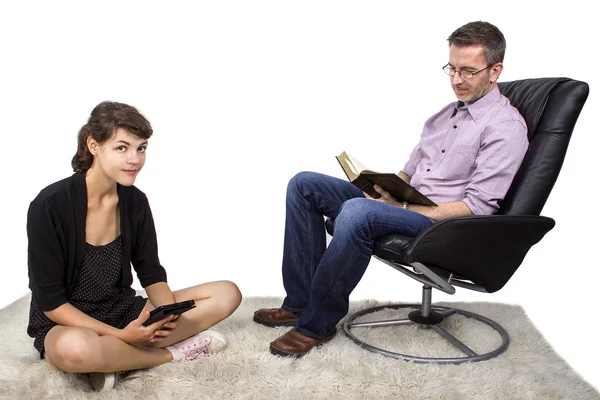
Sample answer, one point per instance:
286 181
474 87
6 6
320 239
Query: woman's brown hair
104 121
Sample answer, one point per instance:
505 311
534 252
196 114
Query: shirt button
443 151
454 126
428 170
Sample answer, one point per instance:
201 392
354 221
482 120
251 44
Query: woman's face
121 157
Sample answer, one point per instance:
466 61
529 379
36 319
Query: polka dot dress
96 292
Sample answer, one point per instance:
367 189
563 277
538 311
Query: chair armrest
485 249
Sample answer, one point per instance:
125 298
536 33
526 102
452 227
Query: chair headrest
550 107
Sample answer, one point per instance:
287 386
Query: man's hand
385 196
135 332
441 211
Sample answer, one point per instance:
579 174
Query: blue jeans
318 280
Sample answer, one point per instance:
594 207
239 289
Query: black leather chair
483 252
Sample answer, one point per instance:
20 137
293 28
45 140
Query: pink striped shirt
470 154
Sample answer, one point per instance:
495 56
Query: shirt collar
481 106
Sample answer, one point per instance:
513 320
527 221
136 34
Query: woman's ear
92 146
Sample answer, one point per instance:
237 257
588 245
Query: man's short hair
481 33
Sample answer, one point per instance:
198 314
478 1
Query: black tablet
169 309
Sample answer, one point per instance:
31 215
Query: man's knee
355 214
301 182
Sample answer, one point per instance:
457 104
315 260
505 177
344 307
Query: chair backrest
550 107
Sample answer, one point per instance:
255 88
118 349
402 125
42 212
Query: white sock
174 352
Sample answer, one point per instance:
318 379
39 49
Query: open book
392 183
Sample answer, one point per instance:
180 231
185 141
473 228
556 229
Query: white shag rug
529 369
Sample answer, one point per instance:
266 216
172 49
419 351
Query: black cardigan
56 233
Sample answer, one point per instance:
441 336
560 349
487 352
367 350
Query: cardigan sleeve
144 256
46 261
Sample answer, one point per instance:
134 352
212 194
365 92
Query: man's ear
496 70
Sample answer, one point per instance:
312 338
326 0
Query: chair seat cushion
391 247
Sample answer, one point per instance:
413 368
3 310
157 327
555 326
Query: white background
242 95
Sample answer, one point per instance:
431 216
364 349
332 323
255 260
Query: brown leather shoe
275 317
295 344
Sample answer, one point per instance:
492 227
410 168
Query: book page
347 166
359 167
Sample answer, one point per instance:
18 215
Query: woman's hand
165 330
135 332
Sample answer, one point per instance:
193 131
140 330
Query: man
465 161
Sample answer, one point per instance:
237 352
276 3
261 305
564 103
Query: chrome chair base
427 317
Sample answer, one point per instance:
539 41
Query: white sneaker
218 342
207 342
101 381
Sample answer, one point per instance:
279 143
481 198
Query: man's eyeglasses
465 74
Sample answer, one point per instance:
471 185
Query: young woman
84 234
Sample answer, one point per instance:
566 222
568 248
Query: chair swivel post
426 316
